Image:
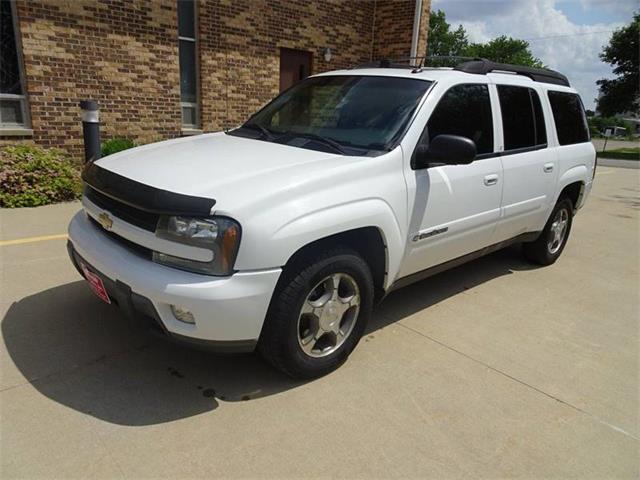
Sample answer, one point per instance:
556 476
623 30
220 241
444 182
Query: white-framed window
188 52
14 111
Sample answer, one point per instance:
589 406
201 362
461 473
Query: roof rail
483 66
480 66
405 62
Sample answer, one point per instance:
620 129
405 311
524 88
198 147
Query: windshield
347 114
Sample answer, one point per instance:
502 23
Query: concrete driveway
494 369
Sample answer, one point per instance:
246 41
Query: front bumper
229 311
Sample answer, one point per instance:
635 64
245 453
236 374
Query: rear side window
464 110
569 116
522 118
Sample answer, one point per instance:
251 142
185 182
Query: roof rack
483 66
414 63
480 66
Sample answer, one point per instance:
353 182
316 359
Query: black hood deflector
145 197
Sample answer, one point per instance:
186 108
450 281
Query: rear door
529 167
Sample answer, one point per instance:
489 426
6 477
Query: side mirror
444 150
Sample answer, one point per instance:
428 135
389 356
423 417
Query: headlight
221 235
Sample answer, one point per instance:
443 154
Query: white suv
282 234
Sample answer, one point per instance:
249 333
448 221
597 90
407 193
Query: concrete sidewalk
495 369
616 162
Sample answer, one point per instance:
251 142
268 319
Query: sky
567 35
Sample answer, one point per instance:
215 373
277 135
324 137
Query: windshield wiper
267 134
330 142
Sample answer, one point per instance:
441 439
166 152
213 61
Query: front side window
13 103
351 114
522 118
188 64
464 110
569 116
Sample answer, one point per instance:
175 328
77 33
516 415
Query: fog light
182 314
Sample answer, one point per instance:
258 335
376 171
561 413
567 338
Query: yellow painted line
20 241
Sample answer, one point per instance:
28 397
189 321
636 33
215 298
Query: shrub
629 153
598 124
32 176
114 145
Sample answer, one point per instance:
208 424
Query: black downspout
91 130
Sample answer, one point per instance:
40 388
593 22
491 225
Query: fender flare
316 225
576 174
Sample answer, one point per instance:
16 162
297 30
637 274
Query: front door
295 65
456 207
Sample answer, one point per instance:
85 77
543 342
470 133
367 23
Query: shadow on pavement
85 355
418 296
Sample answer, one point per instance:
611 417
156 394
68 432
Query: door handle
491 180
548 167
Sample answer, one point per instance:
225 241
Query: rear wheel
551 242
318 314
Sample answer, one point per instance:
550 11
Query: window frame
425 131
532 148
24 128
188 128
555 123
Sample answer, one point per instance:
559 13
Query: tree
444 41
621 94
505 50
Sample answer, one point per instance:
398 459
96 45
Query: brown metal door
295 65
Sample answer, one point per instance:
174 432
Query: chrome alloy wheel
328 315
558 230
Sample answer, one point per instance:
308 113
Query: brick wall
423 32
125 55
393 28
241 41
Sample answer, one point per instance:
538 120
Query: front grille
128 244
129 214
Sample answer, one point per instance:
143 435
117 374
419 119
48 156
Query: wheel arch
572 183
573 191
369 242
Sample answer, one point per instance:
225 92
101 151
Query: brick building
165 68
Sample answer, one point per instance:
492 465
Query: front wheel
551 242
318 314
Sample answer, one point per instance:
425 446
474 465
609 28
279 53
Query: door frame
296 51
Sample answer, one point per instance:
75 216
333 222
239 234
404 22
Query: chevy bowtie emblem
105 220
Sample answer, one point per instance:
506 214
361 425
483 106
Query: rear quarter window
569 117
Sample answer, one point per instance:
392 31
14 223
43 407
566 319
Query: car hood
231 170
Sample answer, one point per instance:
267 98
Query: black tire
279 344
540 251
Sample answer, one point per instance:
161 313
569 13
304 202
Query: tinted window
568 113
363 112
518 122
541 129
522 118
465 110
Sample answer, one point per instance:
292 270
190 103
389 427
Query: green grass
629 153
